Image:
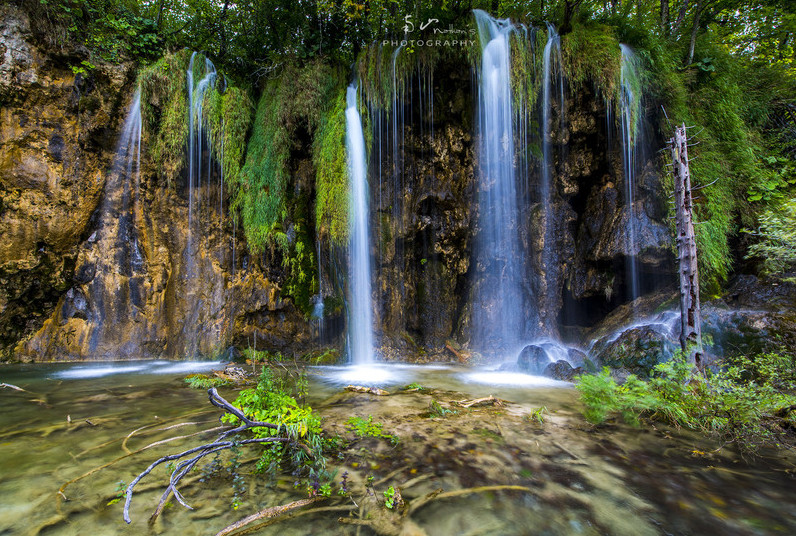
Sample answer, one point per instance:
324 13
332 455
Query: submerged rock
562 370
532 359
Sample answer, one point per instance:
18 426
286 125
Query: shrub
745 402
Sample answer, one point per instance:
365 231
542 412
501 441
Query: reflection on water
612 480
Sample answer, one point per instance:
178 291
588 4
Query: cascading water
360 308
118 247
630 129
196 97
198 143
499 315
551 65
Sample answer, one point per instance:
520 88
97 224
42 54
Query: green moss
590 53
299 97
329 157
229 115
164 110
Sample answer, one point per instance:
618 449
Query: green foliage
738 403
203 381
414 386
262 356
331 181
538 414
591 53
229 116
776 233
275 210
121 488
367 428
436 410
112 30
275 401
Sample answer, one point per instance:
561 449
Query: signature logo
409 26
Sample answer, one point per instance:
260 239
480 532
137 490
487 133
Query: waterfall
630 129
500 307
198 142
360 311
196 97
117 250
551 65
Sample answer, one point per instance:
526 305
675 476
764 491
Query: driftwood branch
192 456
268 513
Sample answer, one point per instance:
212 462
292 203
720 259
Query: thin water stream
580 480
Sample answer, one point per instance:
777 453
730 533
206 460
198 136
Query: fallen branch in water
370 390
478 402
192 456
273 511
14 387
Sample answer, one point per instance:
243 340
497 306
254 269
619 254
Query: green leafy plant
274 401
538 414
435 409
389 498
121 487
367 428
777 238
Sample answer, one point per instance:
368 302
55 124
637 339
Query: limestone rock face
54 130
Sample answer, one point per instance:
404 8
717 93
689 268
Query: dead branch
371 390
14 387
294 514
268 513
478 402
197 453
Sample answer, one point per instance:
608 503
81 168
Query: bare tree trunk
694 30
665 22
680 18
690 318
223 30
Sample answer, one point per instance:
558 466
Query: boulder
533 359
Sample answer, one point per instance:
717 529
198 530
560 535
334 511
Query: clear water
583 480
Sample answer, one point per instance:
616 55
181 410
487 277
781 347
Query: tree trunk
665 22
223 30
690 318
694 30
680 18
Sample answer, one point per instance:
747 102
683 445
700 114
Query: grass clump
331 181
748 401
203 381
164 111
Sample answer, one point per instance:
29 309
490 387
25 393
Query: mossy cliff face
98 264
